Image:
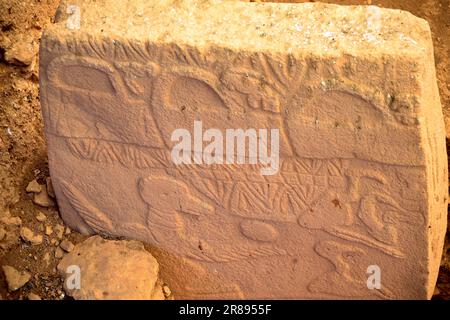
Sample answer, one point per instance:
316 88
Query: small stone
33 187
41 217
21 52
29 236
11 221
33 296
50 190
112 270
48 230
59 229
66 245
43 199
68 231
59 253
166 290
14 278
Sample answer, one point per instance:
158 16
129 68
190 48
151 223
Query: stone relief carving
121 125
346 260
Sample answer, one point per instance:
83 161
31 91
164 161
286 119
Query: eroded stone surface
14 278
363 171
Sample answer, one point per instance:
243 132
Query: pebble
42 198
29 236
59 229
21 53
22 85
48 230
66 245
14 278
41 217
33 187
33 296
112 270
166 291
59 253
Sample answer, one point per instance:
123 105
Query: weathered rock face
111 270
361 187
14 278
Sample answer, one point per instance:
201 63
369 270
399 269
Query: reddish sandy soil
23 151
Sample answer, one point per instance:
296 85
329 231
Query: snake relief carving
348 271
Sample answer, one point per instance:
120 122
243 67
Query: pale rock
21 52
112 270
166 291
29 236
34 297
48 230
24 85
33 187
66 245
59 230
41 217
59 253
14 278
42 198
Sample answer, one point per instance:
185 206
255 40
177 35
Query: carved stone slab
362 181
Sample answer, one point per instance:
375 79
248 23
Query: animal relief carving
358 176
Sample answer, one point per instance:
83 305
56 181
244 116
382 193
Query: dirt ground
23 151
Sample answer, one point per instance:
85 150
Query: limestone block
360 194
